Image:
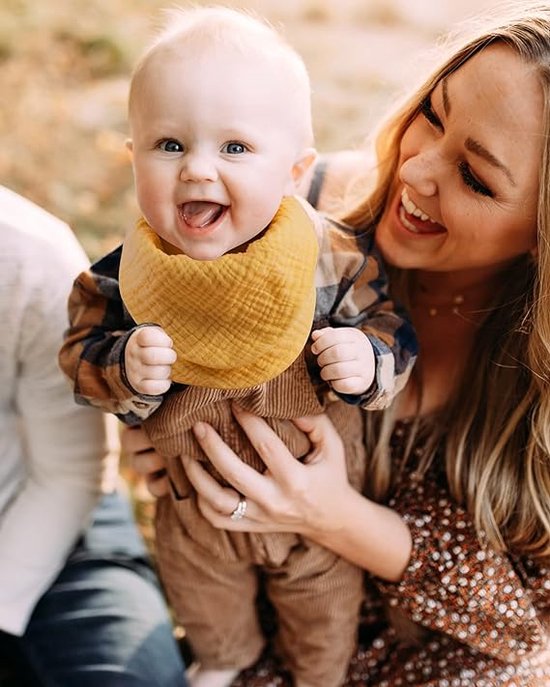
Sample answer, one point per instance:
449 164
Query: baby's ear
129 146
303 165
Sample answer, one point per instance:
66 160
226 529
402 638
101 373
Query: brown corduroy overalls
211 575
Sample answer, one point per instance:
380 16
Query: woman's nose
419 173
198 167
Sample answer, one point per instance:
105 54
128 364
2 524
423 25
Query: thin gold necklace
455 304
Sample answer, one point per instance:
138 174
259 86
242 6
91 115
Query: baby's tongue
200 213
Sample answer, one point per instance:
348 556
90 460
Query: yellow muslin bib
237 321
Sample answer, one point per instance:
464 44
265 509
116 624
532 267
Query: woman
453 528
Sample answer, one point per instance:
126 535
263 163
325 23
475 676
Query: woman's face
466 194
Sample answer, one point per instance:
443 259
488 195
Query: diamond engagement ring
240 510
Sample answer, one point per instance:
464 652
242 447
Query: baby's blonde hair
203 28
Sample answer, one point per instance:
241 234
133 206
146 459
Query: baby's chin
201 251
170 248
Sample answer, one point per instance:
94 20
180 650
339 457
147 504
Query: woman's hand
145 460
313 499
289 496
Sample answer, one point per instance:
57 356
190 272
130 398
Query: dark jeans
103 622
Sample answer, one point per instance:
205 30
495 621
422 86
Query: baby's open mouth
201 213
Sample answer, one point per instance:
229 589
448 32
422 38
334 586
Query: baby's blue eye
170 145
234 148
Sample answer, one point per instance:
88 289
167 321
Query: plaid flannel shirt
351 289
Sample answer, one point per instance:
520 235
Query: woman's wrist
370 535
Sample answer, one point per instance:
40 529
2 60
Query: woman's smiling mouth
415 219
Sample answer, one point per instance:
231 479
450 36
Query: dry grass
63 77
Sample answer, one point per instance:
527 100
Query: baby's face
215 148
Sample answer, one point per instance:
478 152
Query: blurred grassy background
64 69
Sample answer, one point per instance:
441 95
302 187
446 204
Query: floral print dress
463 615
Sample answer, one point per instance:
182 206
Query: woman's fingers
218 503
244 479
134 439
271 449
147 462
323 436
157 483
252 522
289 496
152 467
224 522
222 500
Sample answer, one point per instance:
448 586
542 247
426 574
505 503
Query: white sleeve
62 445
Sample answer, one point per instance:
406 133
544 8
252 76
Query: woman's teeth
409 225
412 209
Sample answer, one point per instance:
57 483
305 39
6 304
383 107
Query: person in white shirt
79 602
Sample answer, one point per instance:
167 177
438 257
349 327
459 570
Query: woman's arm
312 499
149 464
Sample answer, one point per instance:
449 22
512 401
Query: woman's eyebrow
476 148
472 145
445 92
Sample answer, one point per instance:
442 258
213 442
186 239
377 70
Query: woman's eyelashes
428 112
472 181
468 177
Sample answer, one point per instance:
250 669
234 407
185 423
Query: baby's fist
148 358
346 358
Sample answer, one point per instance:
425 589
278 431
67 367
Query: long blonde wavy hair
495 430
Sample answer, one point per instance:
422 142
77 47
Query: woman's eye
170 145
234 148
472 181
428 112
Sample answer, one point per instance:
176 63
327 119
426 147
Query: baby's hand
345 357
148 358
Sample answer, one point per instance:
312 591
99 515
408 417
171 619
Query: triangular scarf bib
237 321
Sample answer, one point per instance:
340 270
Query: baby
231 288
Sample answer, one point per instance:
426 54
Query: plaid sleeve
352 291
92 355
